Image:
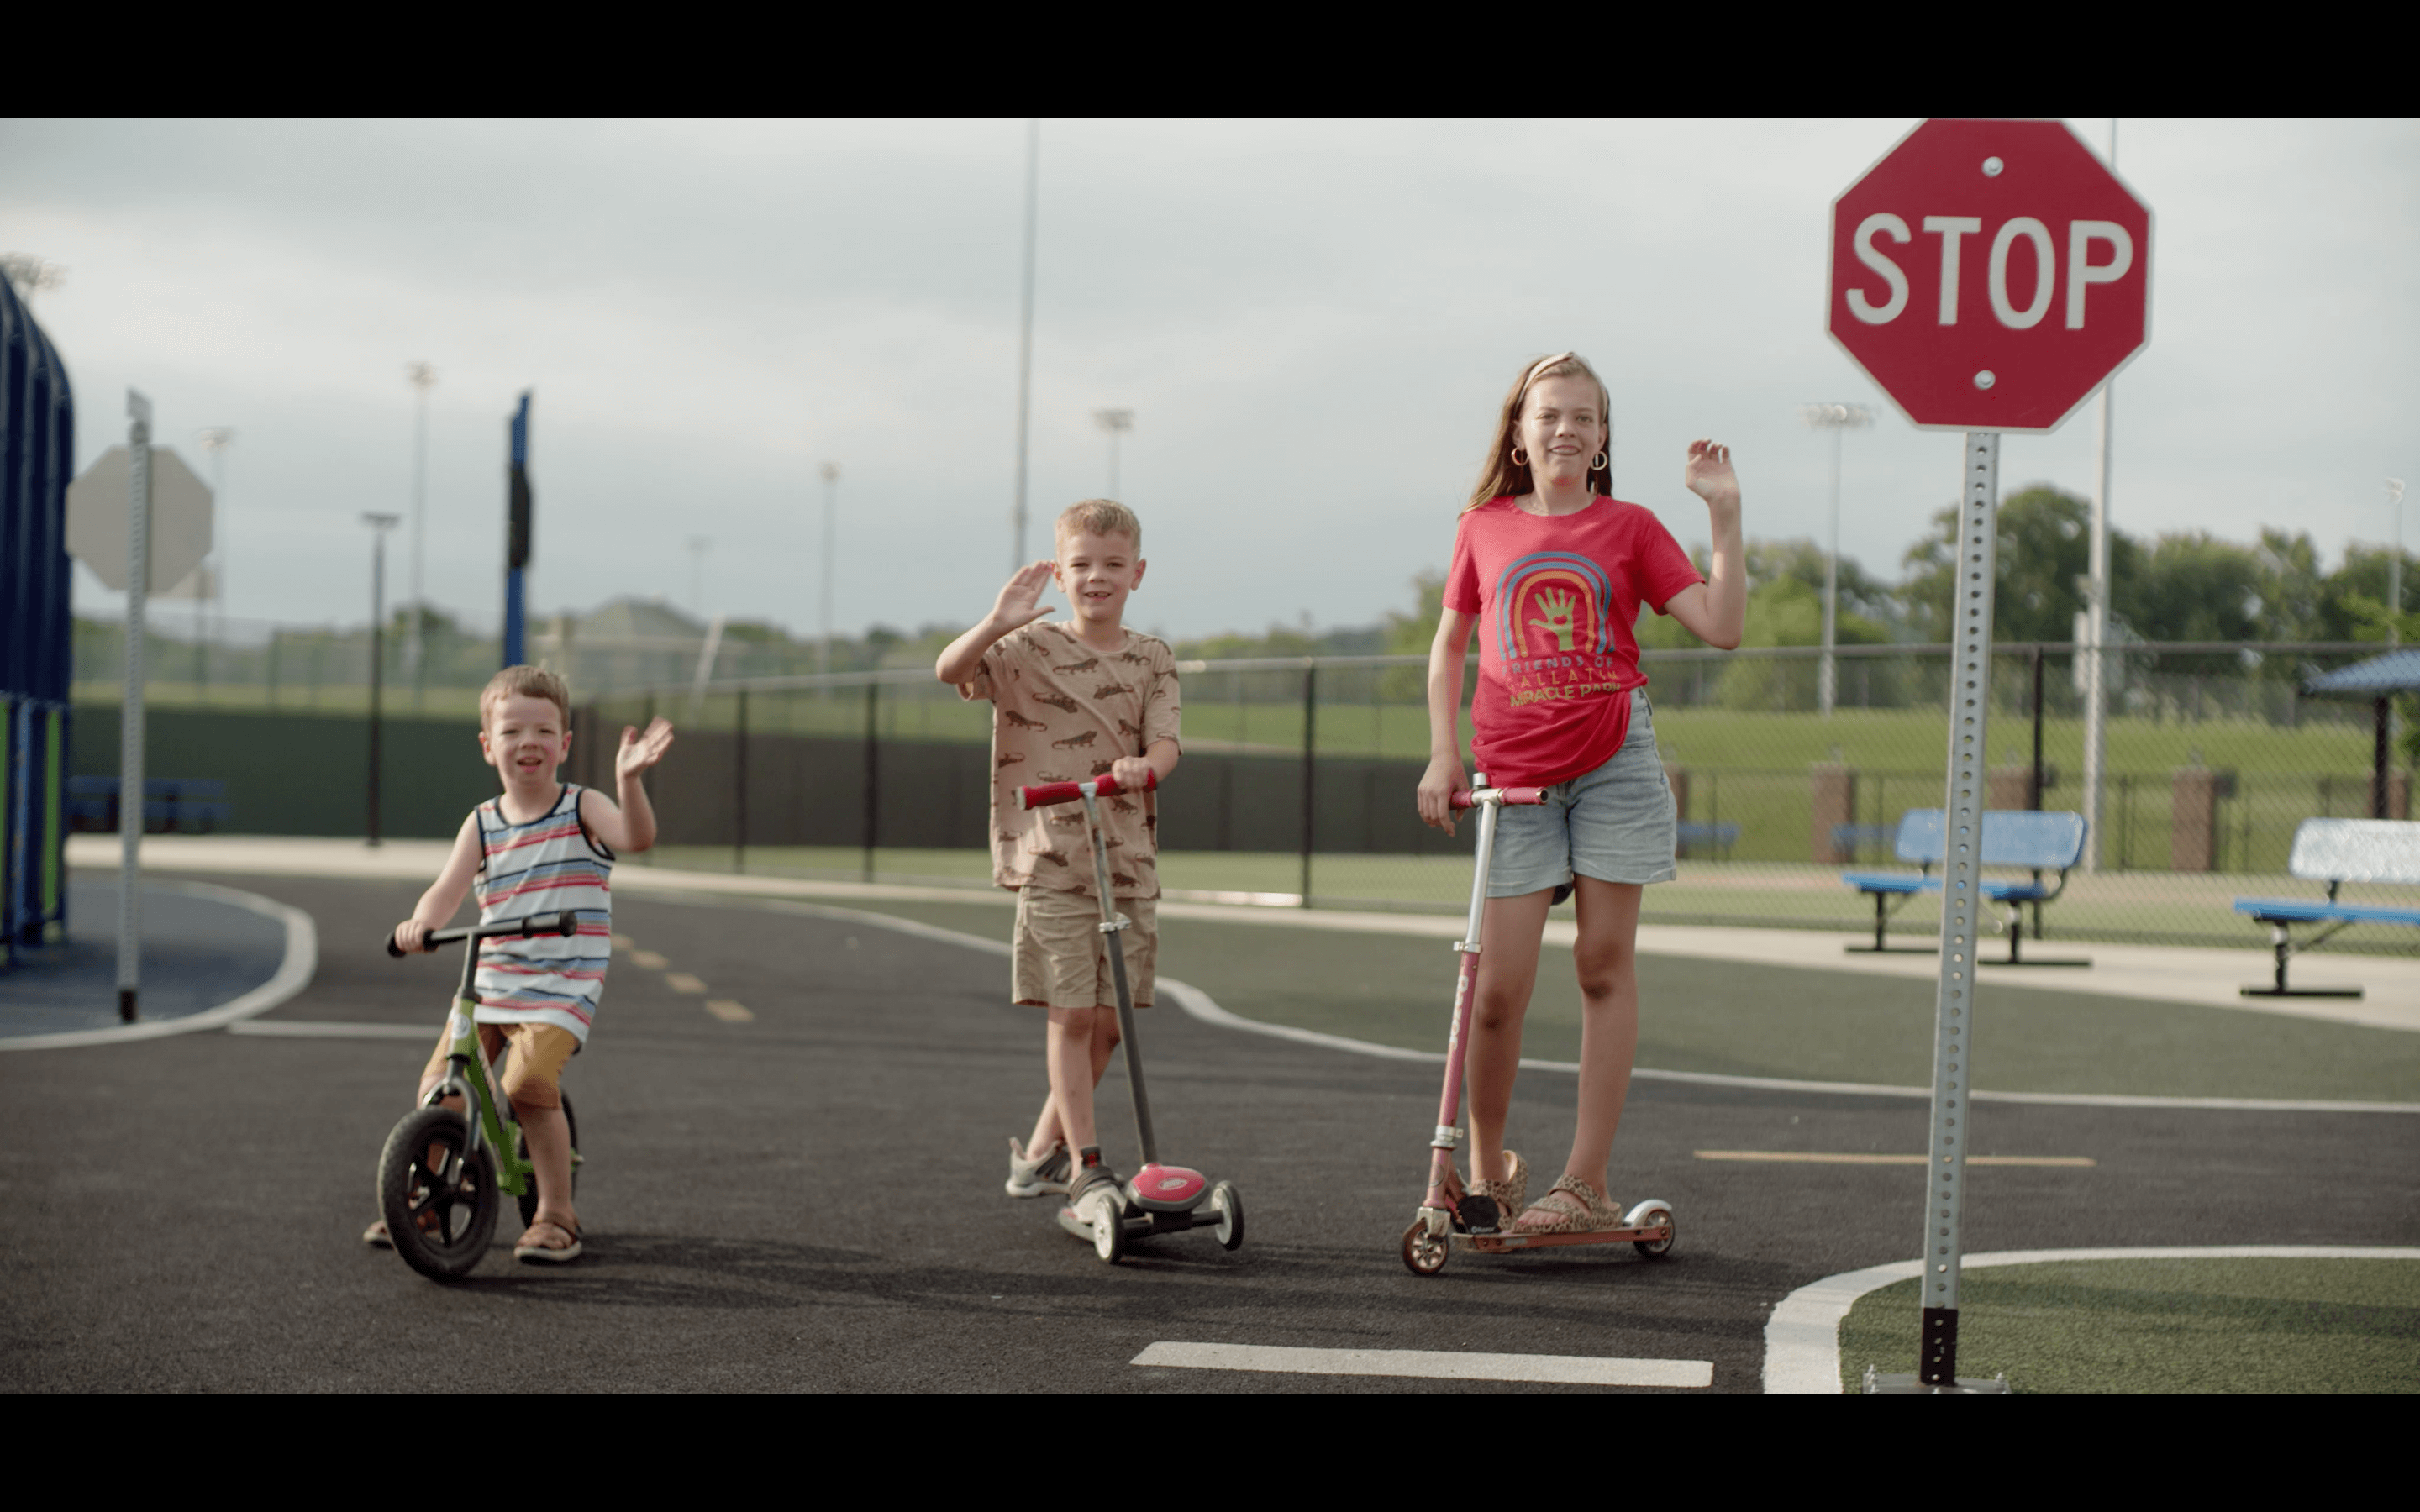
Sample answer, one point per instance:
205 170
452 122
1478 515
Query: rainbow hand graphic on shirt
1558 623
1554 630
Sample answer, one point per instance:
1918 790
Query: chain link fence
1296 786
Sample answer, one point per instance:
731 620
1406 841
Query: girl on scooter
1552 570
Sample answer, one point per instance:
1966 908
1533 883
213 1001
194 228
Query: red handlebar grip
1043 794
1461 798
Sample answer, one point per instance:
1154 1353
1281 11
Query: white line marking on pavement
1801 1338
310 1029
1201 1004
1434 1365
1801 1157
293 974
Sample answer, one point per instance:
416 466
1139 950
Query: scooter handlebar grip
1043 794
392 949
1465 798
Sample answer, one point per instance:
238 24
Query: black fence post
873 769
739 789
2379 763
1310 765
2034 797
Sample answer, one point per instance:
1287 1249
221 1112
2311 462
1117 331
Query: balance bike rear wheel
520 1147
439 1202
1424 1254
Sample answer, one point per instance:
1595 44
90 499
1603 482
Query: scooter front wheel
1424 1254
436 1195
1228 1204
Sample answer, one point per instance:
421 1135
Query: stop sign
99 507
1990 274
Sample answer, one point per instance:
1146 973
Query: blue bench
171 805
1689 832
2036 842
1855 838
2335 852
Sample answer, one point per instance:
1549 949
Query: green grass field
1743 1019
2144 1327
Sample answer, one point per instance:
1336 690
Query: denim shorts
1614 824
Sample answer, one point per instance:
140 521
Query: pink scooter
1160 1199
1446 1220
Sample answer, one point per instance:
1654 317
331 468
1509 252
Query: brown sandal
1511 1194
529 1254
1591 1214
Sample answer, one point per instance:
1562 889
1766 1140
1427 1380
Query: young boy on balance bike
542 847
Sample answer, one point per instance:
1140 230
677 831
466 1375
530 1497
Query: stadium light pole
423 377
831 498
2091 652
2395 564
1835 418
215 440
697 545
1117 423
380 525
1025 340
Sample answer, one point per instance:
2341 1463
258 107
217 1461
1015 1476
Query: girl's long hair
1499 474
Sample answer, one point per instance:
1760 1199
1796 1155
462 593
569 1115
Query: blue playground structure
36 461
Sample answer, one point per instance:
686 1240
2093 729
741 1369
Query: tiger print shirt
1063 712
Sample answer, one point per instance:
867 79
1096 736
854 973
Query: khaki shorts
533 1077
1059 961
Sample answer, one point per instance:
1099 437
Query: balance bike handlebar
565 923
1043 794
1473 798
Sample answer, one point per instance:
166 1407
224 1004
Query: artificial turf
2299 1326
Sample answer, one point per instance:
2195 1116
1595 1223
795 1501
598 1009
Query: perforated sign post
1989 275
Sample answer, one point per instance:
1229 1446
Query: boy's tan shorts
533 1077
1059 960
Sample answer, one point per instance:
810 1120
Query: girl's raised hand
1708 474
1020 600
641 751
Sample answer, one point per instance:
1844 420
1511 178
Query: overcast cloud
1311 321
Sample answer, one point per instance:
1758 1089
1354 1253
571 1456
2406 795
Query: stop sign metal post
1989 275
162 535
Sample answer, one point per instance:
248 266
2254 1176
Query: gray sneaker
1038 1176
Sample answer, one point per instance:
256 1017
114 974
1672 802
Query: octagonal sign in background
1990 274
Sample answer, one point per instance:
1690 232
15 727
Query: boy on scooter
542 847
1083 697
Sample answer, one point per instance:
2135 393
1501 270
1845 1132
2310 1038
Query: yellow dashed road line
729 1012
647 959
681 981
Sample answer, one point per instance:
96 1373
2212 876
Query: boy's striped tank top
543 867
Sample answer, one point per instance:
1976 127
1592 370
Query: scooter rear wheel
439 1201
1424 1254
1109 1230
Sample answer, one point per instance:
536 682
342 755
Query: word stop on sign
1990 274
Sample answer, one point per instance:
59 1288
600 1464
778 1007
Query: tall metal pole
831 496
1025 340
215 440
423 377
380 525
129 732
2096 612
520 504
1961 907
1835 418
2395 566
1117 423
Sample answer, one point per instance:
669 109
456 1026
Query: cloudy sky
1311 321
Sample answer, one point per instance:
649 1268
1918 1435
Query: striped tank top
543 867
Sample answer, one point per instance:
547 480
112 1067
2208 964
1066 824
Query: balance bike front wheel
438 1197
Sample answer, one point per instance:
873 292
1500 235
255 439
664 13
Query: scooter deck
1141 1226
1504 1244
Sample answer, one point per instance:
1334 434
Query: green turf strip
1751 1020
2139 1326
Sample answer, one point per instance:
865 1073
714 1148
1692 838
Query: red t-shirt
1556 597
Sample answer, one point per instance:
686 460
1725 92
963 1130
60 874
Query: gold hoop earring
1518 460
1602 464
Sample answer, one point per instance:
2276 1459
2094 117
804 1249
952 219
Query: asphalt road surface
810 1200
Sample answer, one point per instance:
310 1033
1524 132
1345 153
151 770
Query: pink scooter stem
1487 801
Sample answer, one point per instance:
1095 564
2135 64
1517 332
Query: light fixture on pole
831 497
423 378
1117 423
1835 418
380 525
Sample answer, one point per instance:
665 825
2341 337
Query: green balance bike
441 1170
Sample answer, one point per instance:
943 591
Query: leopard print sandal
1590 1213
1512 1194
